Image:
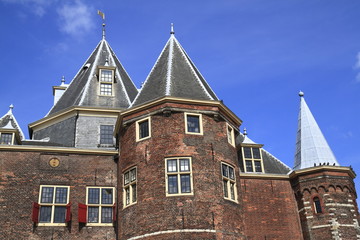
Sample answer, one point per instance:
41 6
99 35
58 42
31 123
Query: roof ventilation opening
86 66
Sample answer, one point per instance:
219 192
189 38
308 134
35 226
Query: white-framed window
143 129
53 205
229 182
178 172
230 135
100 205
7 138
106 135
106 80
252 159
317 205
193 123
130 187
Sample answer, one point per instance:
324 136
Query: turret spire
311 146
102 15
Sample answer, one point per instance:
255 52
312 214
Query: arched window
317 205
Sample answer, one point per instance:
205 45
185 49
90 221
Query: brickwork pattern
22 173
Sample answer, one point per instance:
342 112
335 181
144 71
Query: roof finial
11 107
301 94
62 80
172 29
102 15
245 132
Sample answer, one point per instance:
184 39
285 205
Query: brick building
167 161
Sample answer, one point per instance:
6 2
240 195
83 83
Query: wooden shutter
82 212
114 213
35 212
68 212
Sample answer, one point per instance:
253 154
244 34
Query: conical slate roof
8 122
83 89
311 146
175 75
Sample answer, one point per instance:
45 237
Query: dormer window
106 79
6 138
252 159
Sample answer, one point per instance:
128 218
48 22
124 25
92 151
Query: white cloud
357 64
76 18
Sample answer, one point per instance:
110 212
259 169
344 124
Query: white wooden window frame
252 159
178 173
107 83
53 205
230 134
131 185
138 123
99 205
227 183
200 123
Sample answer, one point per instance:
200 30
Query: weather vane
102 15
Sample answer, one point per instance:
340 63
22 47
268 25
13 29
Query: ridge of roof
311 146
174 74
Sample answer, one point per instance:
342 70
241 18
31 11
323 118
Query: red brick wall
270 210
22 173
206 209
338 201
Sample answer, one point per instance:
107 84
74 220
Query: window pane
127 195
133 192
257 166
106 214
193 124
106 134
133 174
106 75
185 183
61 195
184 165
226 194
173 185
126 178
93 214
256 153
229 134
59 216
225 171
93 195
317 204
247 152
249 167
232 191
47 195
6 138
144 129
172 165
106 196
105 89
45 214
231 173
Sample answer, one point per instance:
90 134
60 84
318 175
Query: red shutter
68 212
114 213
82 212
35 212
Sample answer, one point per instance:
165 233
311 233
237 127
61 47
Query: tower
324 190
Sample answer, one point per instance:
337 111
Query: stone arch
314 190
339 188
321 189
331 188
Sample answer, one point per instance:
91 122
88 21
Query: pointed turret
174 75
311 146
10 131
101 82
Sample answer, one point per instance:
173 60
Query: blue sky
255 54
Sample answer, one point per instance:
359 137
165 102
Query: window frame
186 114
227 180
230 134
138 123
252 159
178 173
112 135
315 206
12 138
53 205
100 205
107 83
130 186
